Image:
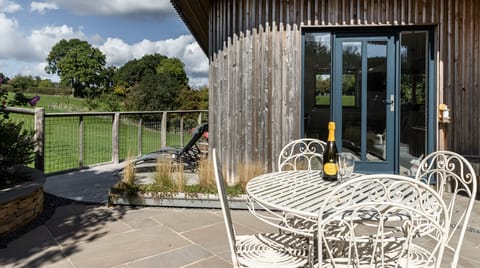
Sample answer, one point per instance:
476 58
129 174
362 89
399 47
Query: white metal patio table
283 198
278 196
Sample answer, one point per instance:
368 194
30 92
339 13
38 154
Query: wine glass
346 164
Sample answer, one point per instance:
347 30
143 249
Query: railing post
39 139
163 130
80 141
181 129
199 120
115 137
139 134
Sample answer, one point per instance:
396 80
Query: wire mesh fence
61 143
76 140
97 140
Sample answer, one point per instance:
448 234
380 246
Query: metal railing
66 141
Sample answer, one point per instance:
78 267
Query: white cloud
41 7
42 40
13 42
116 51
185 48
117 7
25 53
7 6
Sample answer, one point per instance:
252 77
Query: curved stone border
20 204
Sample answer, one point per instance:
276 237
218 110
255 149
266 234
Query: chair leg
311 251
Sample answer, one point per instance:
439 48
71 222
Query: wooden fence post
39 139
199 120
163 130
139 135
80 141
115 137
181 129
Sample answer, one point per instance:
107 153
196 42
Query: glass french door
363 99
378 87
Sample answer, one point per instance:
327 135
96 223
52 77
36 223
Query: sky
122 29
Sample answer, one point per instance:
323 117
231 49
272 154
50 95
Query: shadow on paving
63 222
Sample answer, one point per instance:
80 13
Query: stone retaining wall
20 211
21 203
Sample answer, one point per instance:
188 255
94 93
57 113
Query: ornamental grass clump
162 174
128 176
247 171
167 180
206 175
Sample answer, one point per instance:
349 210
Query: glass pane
376 96
413 92
317 84
351 95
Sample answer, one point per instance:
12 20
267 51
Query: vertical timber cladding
255 67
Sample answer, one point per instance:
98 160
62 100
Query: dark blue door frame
389 163
330 38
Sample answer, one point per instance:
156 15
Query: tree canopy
153 82
154 92
78 64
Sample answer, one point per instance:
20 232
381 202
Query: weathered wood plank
256 93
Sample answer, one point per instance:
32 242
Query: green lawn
347 101
57 104
62 141
62 135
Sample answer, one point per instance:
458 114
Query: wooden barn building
400 78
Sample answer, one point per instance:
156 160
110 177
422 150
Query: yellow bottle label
330 168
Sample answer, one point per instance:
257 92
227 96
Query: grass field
62 135
57 104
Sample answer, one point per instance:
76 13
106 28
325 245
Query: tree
190 99
154 92
22 82
78 64
45 83
132 72
151 83
174 68
3 78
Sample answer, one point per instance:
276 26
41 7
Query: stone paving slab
83 235
152 237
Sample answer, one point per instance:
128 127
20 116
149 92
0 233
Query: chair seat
417 258
271 250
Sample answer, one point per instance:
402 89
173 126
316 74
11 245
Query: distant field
58 104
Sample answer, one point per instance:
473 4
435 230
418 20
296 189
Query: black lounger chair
189 155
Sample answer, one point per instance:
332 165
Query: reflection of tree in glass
408 83
322 84
352 57
348 84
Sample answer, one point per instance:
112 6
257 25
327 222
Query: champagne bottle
330 167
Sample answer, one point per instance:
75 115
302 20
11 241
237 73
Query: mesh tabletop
300 192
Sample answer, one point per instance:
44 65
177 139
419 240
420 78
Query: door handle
391 102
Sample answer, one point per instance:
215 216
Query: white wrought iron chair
302 154
259 250
455 180
359 224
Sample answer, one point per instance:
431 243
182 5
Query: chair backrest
196 135
452 176
302 154
379 220
227 217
